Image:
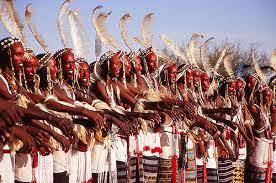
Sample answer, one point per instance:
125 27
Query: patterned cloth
238 173
190 169
150 164
136 169
212 175
121 172
165 171
199 173
256 174
225 170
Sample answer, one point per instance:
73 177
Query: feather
173 47
221 57
8 19
239 70
228 66
78 34
257 67
273 59
38 37
194 51
123 30
98 45
146 25
158 71
106 38
13 13
62 11
204 56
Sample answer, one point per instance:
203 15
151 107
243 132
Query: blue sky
247 21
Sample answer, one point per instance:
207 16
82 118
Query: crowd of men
125 118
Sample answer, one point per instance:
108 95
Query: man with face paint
260 164
12 46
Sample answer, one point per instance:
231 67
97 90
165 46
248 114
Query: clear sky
247 21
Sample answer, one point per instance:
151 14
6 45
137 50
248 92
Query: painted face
205 82
196 77
250 83
231 88
189 76
84 74
239 88
127 65
17 56
172 73
152 62
115 65
68 64
30 66
138 66
53 68
267 96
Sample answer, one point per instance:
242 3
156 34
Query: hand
64 142
151 117
64 124
38 134
28 141
96 117
10 112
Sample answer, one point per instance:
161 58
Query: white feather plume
8 19
204 56
221 57
78 34
62 11
38 37
193 48
98 42
123 30
228 65
173 47
146 26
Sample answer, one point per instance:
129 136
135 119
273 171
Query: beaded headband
8 42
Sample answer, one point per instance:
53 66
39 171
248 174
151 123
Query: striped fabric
256 174
238 173
165 171
121 172
190 169
136 170
199 173
212 175
150 165
225 171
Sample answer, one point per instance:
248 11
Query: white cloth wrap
6 167
211 160
80 166
44 171
151 139
121 149
61 161
23 167
168 142
260 154
101 154
133 143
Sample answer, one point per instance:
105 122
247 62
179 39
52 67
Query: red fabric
227 136
35 158
147 148
82 147
157 149
174 169
157 130
204 172
268 172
